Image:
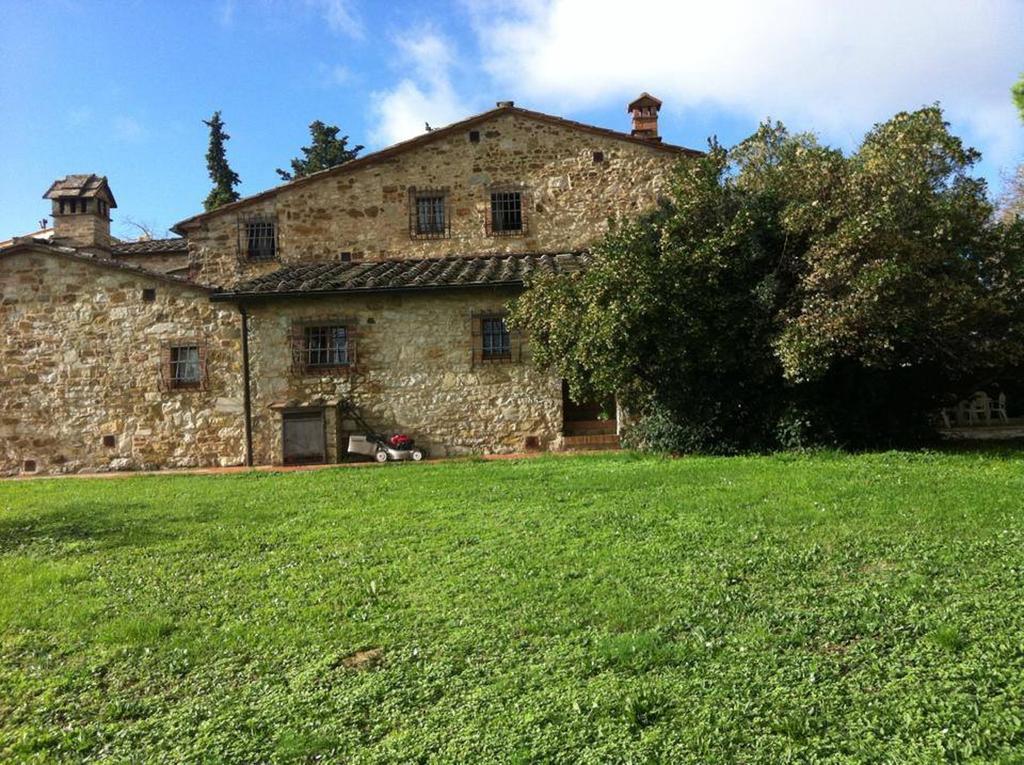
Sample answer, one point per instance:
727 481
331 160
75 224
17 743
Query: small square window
428 214
148 295
185 366
260 238
506 216
109 441
598 156
29 466
474 136
325 346
497 342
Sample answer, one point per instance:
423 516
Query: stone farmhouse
380 283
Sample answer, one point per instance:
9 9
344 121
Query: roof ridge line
433 135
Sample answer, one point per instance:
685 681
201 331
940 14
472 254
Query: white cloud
426 96
336 74
226 13
128 128
835 66
339 16
80 116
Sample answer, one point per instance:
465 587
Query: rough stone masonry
92 342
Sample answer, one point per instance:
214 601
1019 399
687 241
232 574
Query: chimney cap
85 185
506 104
644 99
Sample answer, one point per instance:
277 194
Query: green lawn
590 609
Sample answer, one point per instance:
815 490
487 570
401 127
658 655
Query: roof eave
107 263
263 297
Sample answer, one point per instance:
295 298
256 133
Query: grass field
590 609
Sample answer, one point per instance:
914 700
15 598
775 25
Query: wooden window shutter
476 339
201 350
515 339
352 340
165 367
297 339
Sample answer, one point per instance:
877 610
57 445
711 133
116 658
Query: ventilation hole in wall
29 466
371 320
474 136
599 156
148 295
531 443
110 441
345 257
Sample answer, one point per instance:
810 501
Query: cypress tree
224 178
326 150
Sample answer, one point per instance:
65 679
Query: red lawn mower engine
376 445
398 447
400 441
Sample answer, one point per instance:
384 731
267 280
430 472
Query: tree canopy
224 178
787 293
1018 96
325 150
1013 197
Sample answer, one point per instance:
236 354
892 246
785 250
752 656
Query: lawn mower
381 448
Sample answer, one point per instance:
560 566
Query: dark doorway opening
303 437
587 418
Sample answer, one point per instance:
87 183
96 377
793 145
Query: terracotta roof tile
407 275
151 247
25 244
80 185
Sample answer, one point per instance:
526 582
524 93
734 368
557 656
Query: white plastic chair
981 406
1000 408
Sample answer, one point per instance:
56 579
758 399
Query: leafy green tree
788 294
1013 199
224 178
1018 96
899 264
326 150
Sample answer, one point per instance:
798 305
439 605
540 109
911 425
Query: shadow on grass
88 524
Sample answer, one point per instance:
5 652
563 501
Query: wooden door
303 437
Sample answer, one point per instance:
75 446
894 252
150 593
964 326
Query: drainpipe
246 382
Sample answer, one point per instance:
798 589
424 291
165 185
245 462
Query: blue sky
121 88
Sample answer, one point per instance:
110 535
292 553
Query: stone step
601 441
590 428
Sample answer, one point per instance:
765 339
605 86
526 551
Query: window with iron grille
506 214
323 346
183 365
497 343
258 236
428 214
493 341
326 346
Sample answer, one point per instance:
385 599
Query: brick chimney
81 212
644 110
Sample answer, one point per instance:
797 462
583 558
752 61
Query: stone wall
80 360
82 229
414 373
365 211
